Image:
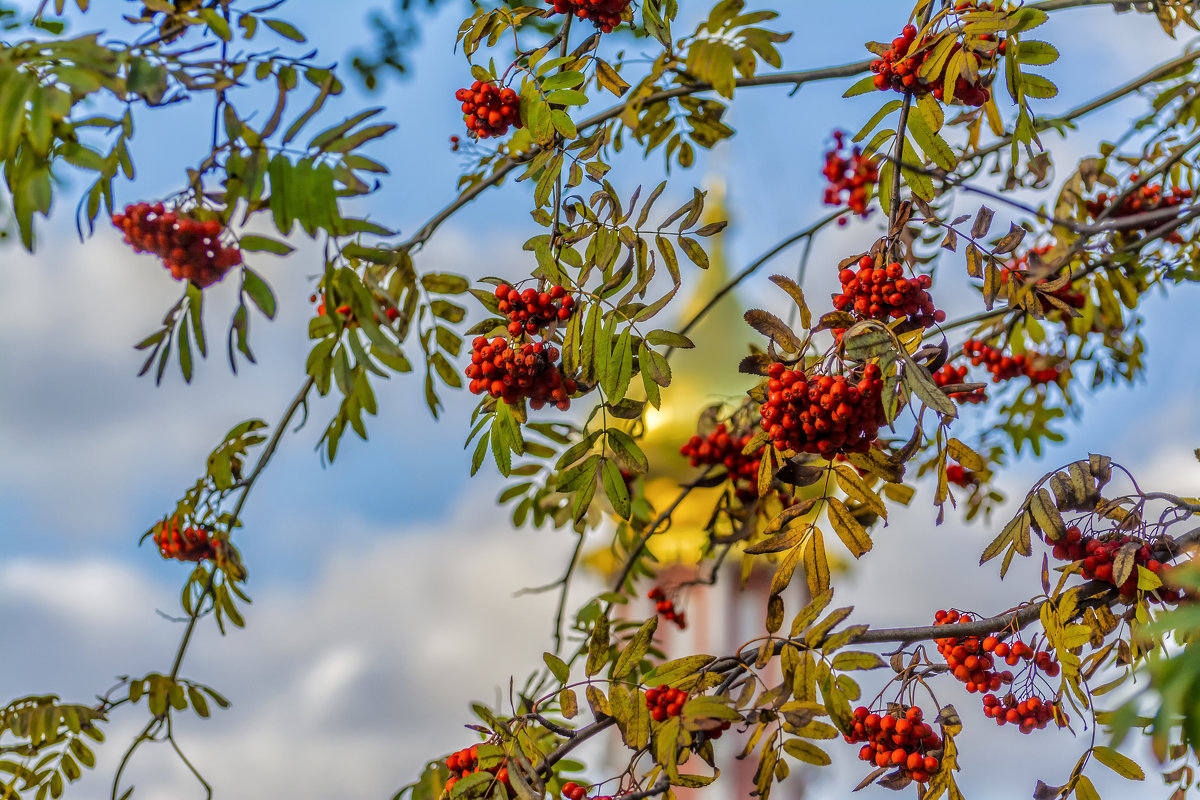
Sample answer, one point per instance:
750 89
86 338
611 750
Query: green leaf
252 243
558 668
636 649
1038 86
852 660
562 80
848 529
670 339
598 651
615 489
1118 763
861 86
1037 53
284 29
444 283
1084 790
933 145
918 381
806 751
567 97
675 671
627 449
259 292
217 23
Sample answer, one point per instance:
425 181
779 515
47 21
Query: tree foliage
1056 315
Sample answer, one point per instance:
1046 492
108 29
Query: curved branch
1158 73
652 529
753 267
1097 592
795 79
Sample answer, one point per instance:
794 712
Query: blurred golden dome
702 376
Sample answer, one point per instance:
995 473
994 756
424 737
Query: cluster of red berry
971 659
190 248
184 544
489 111
951 375
511 373
530 311
960 475
390 312
1043 375
718 731
882 293
666 607
1098 554
898 740
604 14
466 762
1018 270
722 447
823 414
573 791
1150 197
1001 367
851 175
664 702
900 66
1031 713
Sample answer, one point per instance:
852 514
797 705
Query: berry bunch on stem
573 791
530 311
724 448
897 738
851 177
1032 713
1002 367
184 544
390 312
961 476
664 702
604 14
190 248
1150 197
899 69
1017 273
489 111
823 414
883 293
466 762
665 607
971 660
1097 556
514 372
950 375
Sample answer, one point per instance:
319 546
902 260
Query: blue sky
383 583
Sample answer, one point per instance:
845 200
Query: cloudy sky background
383 585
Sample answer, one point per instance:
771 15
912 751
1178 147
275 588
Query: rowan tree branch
651 530
796 79
1042 124
753 267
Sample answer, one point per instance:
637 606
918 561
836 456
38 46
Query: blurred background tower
725 615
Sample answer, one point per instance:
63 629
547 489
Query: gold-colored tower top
704 375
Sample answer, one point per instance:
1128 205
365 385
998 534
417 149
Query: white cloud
344 688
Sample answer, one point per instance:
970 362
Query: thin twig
560 611
500 172
753 267
1042 124
660 787
652 529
